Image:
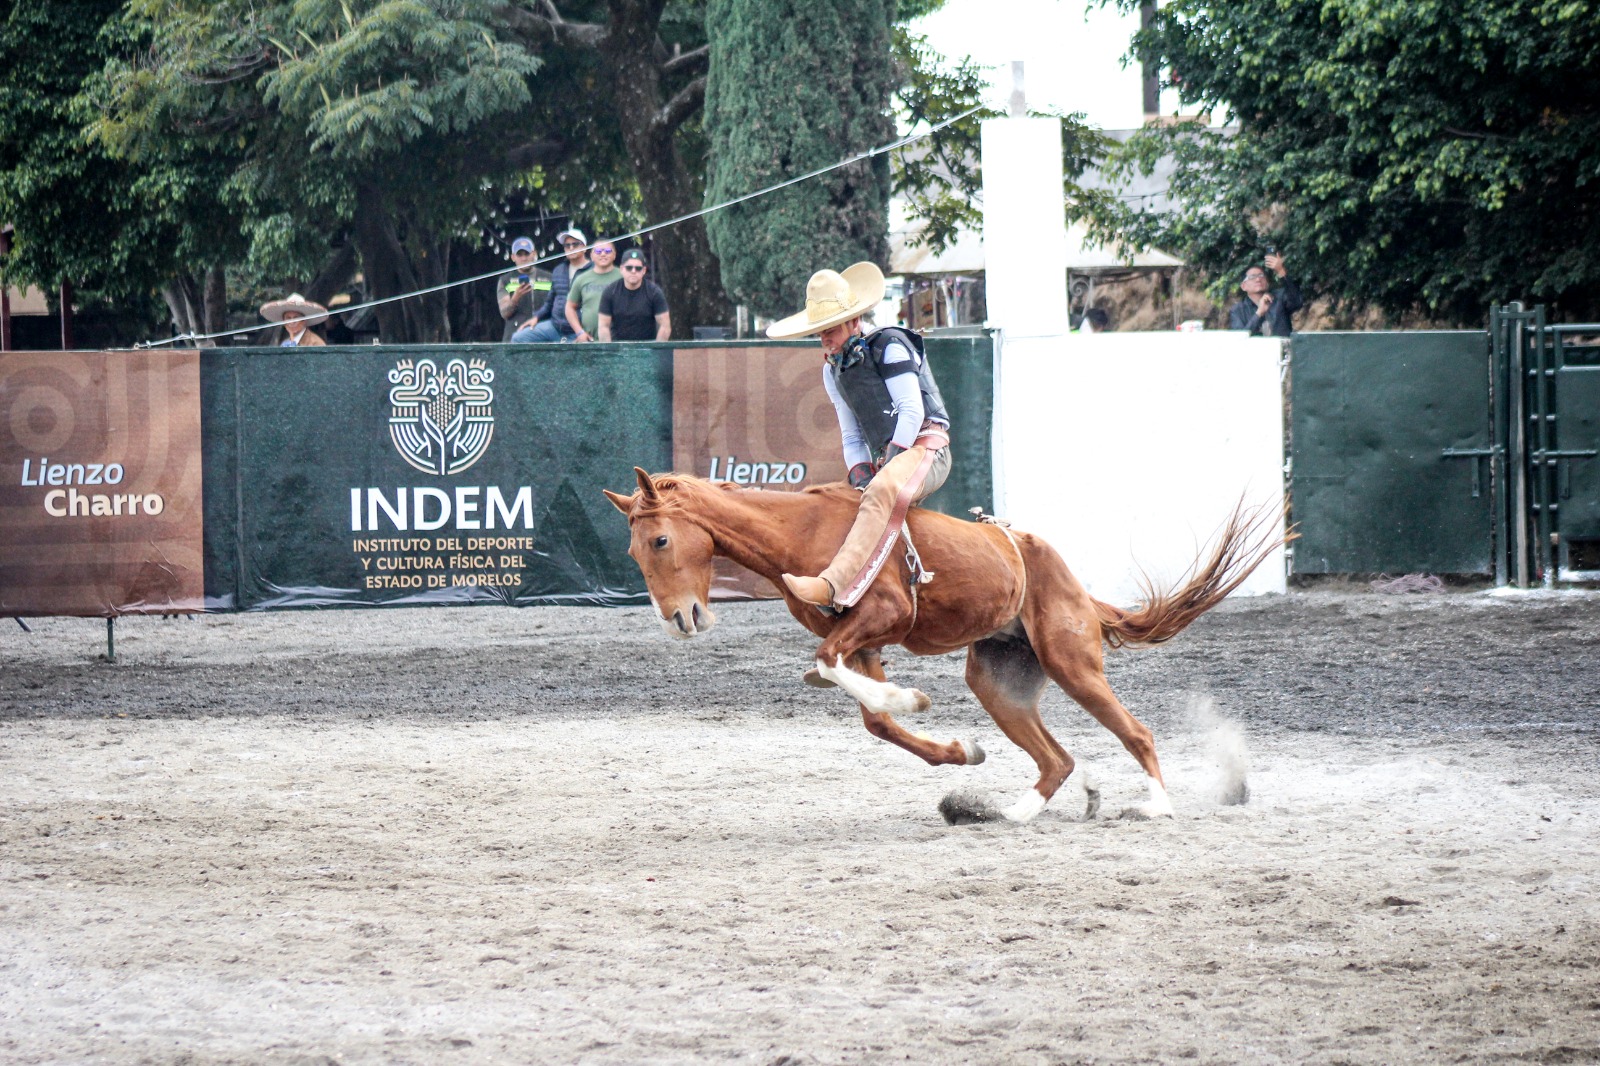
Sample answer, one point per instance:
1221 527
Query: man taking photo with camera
1263 313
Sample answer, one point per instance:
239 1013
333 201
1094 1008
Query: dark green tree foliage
794 87
401 128
369 118
116 231
1410 154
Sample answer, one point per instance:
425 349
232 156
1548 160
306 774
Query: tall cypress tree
793 87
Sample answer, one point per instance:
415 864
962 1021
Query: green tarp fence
320 490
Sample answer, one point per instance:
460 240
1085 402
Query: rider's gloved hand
860 475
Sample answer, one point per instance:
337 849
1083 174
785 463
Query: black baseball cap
632 254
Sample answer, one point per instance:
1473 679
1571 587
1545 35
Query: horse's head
673 552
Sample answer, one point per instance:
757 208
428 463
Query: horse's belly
955 616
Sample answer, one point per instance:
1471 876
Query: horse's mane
673 487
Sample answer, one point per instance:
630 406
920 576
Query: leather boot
813 590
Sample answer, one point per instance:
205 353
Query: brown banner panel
100 471
755 416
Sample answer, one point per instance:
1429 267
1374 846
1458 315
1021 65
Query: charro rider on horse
896 432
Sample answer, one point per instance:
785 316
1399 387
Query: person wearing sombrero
893 421
296 313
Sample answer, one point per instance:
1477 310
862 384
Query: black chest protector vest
859 372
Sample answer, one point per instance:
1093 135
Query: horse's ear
619 501
646 486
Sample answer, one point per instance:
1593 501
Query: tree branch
334 275
535 29
545 152
1476 136
688 62
680 108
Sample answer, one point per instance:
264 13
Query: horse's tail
1249 536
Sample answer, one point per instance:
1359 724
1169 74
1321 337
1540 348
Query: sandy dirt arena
555 836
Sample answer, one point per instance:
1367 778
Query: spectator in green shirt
583 299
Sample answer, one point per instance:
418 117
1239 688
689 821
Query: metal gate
1449 452
1551 429
1391 455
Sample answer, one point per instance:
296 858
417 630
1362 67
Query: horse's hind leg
1006 677
1066 638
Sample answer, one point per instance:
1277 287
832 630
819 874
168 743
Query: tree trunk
216 300
334 275
682 261
389 272
186 304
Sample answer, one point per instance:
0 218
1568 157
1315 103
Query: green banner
426 475
460 474
964 368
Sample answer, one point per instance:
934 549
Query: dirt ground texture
554 835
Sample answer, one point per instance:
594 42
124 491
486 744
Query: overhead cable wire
556 257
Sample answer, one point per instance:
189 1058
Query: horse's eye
661 542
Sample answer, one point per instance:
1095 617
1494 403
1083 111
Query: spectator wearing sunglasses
583 299
636 310
549 323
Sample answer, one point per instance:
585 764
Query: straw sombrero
833 297
276 309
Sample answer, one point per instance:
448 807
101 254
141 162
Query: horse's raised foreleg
1006 677
849 656
861 675
870 687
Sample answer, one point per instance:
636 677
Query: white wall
1129 450
1024 226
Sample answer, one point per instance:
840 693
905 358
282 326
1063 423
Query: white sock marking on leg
1160 805
880 697
1027 807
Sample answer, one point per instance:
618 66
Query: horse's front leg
861 675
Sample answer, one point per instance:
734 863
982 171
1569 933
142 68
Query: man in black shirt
636 309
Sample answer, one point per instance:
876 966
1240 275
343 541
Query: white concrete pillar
1024 227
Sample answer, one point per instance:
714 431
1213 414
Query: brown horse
1004 595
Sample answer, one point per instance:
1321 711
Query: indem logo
441 420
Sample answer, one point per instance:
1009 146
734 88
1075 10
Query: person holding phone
519 288
1262 312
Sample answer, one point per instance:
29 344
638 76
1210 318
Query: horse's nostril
677 617
699 616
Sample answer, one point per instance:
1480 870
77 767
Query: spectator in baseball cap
517 290
636 309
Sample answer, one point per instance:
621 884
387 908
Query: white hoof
975 754
907 700
1026 809
1159 805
